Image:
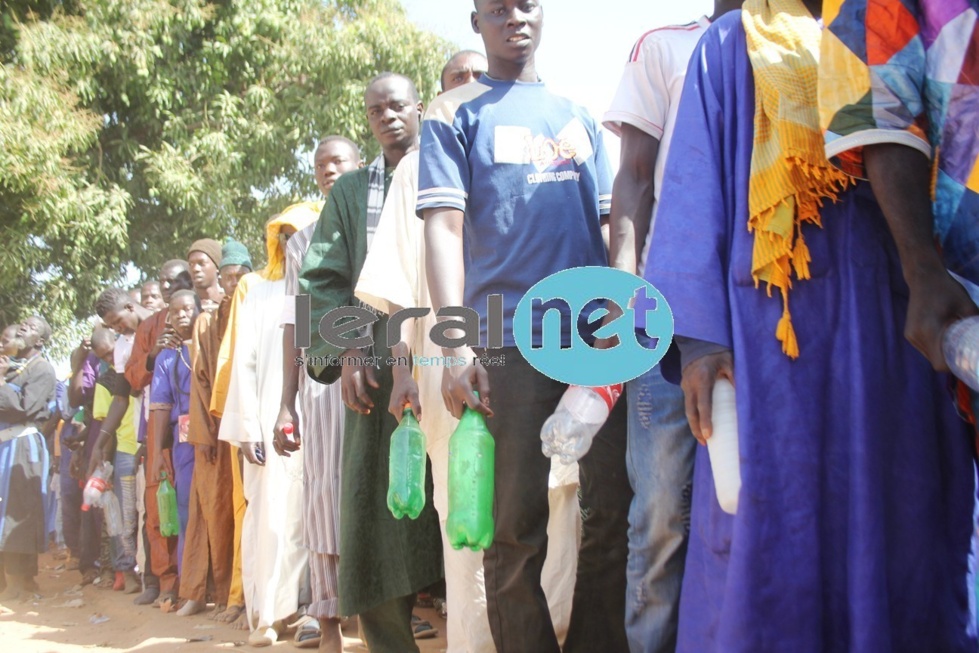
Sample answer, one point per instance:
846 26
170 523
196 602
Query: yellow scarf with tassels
790 175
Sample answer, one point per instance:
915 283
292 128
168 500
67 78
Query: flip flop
422 629
307 633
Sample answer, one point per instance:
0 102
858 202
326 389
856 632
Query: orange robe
139 372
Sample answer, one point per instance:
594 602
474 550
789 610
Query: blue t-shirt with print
171 383
530 172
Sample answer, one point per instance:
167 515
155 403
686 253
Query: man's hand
167 340
354 381
254 453
78 439
98 457
72 443
80 354
698 388
404 393
154 471
457 390
935 301
283 445
900 177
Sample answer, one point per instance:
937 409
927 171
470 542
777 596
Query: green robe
381 558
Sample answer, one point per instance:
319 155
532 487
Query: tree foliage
130 128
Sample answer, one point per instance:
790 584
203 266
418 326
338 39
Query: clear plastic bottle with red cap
97 484
580 414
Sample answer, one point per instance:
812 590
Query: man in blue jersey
524 173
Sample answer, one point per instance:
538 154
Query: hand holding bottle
472 461
582 411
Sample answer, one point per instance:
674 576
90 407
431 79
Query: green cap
235 253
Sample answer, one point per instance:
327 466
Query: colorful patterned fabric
790 176
905 71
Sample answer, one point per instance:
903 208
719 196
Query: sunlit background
584 46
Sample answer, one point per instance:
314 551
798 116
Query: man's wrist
922 269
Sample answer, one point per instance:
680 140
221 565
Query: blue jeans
124 484
659 459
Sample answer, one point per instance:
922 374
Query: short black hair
111 299
183 292
343 139
101 334
460 53
388 74
183 265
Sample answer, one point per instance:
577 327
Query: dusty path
46 625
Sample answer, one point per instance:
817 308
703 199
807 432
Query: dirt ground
48 624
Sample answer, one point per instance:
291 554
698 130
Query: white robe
273 556
393 277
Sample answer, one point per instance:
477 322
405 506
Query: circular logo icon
547 320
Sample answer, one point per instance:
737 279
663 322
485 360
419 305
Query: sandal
422 629
307 633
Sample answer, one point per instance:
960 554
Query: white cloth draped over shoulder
273 555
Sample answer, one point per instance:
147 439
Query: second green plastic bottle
166 503
406 468
472 457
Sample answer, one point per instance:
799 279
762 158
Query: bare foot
241 623
350 626
18 587
231 613
190 608
331 641
219 608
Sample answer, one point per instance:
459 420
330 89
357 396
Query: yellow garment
790 175
126 431
297 216
236 595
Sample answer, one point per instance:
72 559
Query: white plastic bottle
722 447
112 513
97 484
582 411
960 345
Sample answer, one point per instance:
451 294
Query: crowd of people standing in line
824 150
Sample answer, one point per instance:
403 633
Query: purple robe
854 522
163 390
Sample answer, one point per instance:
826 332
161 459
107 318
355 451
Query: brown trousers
209 543
163 550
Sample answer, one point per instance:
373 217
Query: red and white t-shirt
649 92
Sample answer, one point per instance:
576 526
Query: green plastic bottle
472 456
406 468
166 503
